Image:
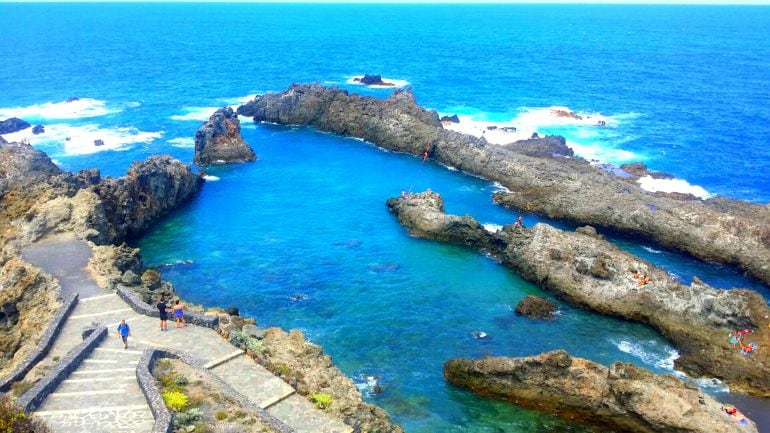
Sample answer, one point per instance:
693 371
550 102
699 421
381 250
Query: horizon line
438 2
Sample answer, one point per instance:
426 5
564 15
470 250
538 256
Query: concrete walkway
102 395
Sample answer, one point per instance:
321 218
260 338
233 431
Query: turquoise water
302 238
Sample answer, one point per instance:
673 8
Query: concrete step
299 414
124 418
253 381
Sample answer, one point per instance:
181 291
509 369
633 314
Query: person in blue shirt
124 332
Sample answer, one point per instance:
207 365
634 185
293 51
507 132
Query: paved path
102 395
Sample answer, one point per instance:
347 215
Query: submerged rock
451 119
535 307
592 273
38 129
563 188
621 397
14 124
219 140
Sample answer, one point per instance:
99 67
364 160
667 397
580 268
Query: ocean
302 238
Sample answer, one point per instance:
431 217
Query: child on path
179 314
124 332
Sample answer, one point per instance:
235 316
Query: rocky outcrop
535 307
639 169
621 397
590 272
542 147
219 140
372 80
22 165
14 124
310 370
564 188
28 300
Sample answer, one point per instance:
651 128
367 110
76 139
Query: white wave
199 114
713 384
673 185
210 178
77 109
182 142
396 83
492 228
82 139
596 152
651 250
649 353
498 187
367 385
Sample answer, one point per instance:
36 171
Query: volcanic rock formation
535 307
14 124
590 272
621 397
219 140
719 229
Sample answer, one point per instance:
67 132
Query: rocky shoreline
719 229
586 270
37 199
621 397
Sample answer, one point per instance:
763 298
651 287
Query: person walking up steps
163 312
124 332
179 314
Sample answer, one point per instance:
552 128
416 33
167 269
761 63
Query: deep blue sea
302 237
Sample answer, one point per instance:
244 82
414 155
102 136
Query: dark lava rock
38 129
219 140
233 311
453 118
548 146
372 80
99 142
639 169
72 99
22 165
14 124
535 308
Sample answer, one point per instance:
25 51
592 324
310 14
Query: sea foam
76 109
673 185
649 353
182 142
81 139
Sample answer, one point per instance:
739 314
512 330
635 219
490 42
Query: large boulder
535 307
219 140
621 397
22 165
14 124
372 80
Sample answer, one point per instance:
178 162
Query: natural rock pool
302 239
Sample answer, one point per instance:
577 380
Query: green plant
255 346
282 370
322 399
175 400
188 417
180 380
221 415
19 388
55 359
14 420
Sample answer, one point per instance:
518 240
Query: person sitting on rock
644 280
518 221
735 338
635 274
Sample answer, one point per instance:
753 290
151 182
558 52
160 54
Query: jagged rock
558 112
219 140
14 124
233 311
38 129
372 80
72 99
535 307
254 330
563 188
98 142
28 300
151 279
313 371
542 147
639 169
621 397
452 119
22 165
591 272
129 278
589 231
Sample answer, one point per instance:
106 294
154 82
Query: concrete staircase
102 394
